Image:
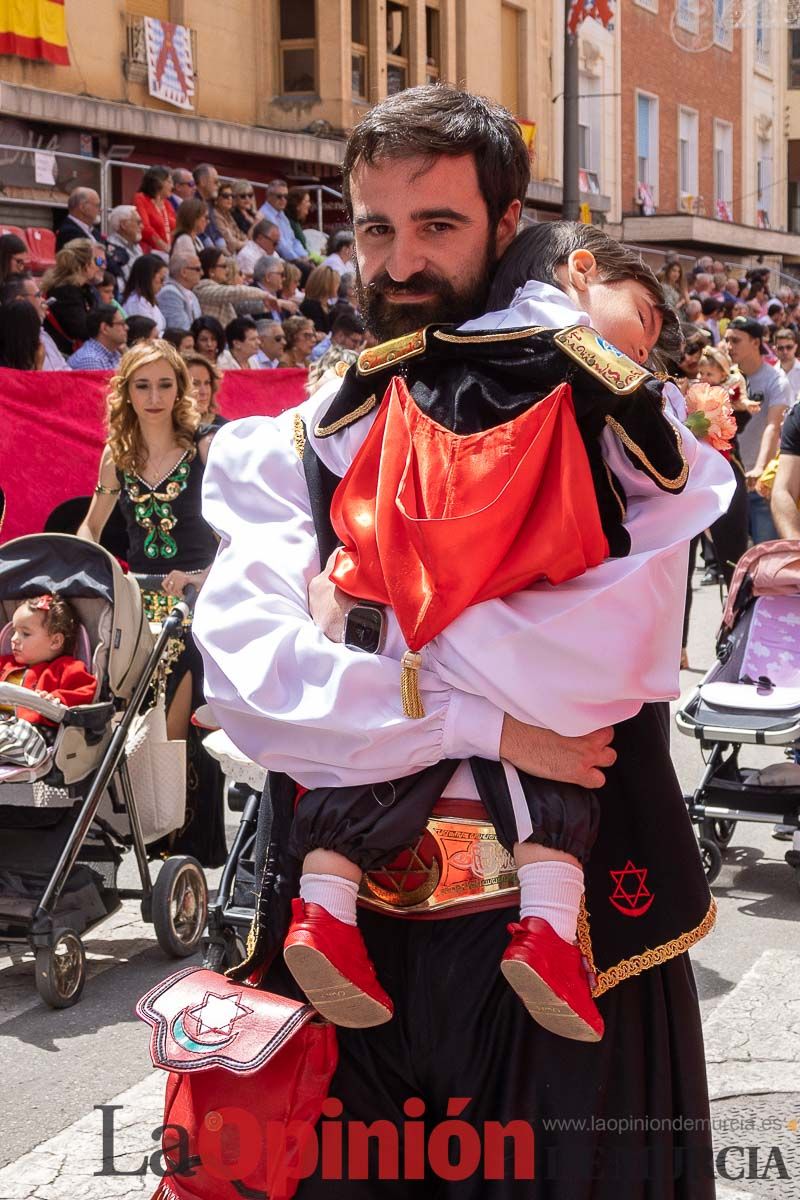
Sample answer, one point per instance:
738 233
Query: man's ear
581 269
507 227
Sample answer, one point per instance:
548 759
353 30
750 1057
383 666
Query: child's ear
57 642
581 269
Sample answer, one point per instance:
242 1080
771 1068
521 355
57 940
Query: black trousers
626 1117
729 537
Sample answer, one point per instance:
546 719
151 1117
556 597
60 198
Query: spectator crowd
191 260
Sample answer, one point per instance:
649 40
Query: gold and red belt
456 866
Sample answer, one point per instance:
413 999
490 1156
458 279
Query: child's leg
331 880
551 886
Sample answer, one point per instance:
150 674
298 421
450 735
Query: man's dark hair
10 245
209 257
13 287
774 307
202 171
437 119
175 335
139 328
104 314
748 325
236 329
20 332
346 323
537 251
262 228
710 305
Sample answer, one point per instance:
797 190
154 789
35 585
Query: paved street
58 1066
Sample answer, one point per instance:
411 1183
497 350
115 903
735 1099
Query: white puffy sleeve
591 651
286 696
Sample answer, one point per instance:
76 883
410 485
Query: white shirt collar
533 304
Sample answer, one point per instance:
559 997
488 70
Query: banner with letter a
170 70
34 29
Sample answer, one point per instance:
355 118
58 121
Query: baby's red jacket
65 677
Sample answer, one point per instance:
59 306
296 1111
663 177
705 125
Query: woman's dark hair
10 245
175 336
294 200
108 280
537 251
437 119
140 280
20 332
152 181
213 326
209 259
139 328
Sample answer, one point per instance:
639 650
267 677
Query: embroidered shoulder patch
376 358
619 373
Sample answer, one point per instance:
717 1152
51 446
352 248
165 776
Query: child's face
30 641
624 313
711 372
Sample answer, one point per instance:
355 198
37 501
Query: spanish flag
34 29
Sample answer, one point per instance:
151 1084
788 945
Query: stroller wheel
61 970
718 830
220 956
180 906
711 857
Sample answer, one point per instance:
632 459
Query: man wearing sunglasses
290 247
263 240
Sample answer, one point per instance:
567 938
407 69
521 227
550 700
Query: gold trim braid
671 484
299 436
629 967
514 335
322 431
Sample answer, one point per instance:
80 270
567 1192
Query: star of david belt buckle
455 862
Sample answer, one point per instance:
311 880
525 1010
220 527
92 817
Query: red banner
53 432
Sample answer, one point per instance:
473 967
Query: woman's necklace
155 466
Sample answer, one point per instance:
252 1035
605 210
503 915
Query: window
687 152
589 126
794 58
432 45
396 47
359 37
647 142
723 30
298 46
687 15
723 170
763 34
763 182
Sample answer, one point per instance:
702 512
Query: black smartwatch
365 627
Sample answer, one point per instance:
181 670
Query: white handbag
157 769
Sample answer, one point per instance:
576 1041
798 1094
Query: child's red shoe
329 961
549 976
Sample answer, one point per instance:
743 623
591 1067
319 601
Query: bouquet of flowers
710 415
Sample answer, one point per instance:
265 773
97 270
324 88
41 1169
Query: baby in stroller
40 659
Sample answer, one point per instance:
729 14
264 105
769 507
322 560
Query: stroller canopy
81 570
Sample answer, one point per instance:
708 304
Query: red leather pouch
248 1075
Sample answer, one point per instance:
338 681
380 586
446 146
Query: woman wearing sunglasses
244 205
224 219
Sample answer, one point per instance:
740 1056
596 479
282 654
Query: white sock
552 890
336 895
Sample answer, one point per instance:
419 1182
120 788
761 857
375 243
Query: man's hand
327 604
550 756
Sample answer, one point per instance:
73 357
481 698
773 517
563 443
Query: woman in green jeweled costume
152 465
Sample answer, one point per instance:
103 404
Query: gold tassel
409 684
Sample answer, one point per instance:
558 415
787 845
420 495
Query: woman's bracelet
104 491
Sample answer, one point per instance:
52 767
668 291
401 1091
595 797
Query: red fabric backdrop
51 432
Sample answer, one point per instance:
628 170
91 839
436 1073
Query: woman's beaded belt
456 865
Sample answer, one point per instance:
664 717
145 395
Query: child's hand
46 695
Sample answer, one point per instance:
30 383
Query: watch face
364 628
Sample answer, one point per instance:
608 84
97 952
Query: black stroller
751 696
65 825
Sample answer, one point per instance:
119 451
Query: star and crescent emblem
631 895
209 1025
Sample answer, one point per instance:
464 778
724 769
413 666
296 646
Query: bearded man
434 179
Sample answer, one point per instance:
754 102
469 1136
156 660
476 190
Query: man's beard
450 305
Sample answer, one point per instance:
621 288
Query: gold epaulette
614 369
387 354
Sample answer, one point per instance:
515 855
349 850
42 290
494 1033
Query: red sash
433 521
